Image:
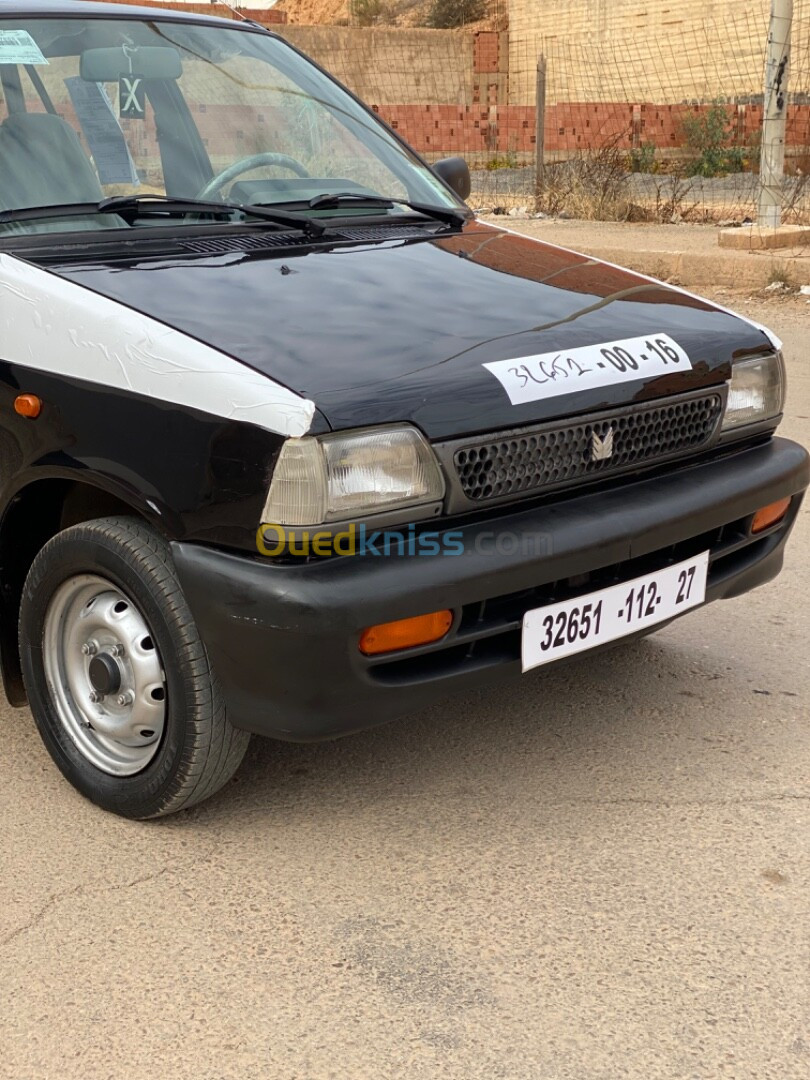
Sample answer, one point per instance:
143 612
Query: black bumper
283 638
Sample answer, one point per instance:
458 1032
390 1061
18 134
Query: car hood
400 329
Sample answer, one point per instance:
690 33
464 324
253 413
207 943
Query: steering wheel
245 164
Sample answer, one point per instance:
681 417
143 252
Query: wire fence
662 128
670 127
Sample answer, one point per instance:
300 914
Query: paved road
601 872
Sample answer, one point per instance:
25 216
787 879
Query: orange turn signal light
28 405
769 515
405 633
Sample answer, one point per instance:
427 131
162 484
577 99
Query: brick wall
438 129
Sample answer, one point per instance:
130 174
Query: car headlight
756 391
338 477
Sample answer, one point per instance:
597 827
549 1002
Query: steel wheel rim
104 674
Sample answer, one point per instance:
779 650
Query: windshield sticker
104 136
545 375
18 47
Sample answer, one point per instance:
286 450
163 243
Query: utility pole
774 114
540 128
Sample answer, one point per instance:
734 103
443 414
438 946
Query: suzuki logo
602 448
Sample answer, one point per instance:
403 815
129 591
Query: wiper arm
133 206
438 213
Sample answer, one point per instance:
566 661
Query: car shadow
607 708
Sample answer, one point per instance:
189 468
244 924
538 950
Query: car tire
117 676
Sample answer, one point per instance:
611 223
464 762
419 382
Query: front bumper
283 638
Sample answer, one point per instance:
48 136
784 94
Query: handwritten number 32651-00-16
530 378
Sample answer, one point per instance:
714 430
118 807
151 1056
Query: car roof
90 9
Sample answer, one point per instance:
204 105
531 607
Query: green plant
449 14
507 160
711 138
642 159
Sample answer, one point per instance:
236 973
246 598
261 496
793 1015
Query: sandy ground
582 235
601 871
586 235
685 254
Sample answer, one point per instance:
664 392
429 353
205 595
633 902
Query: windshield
93 108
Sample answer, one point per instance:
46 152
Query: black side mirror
456 174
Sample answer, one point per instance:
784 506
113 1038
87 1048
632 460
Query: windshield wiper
439 213
168 204
133 206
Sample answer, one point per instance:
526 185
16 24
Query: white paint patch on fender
49 324
774 339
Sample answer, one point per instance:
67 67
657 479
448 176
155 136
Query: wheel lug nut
117 650
96 697
125 698
89 648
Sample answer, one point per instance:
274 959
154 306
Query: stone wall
600 20
383 66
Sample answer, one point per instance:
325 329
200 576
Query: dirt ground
314 12
393 13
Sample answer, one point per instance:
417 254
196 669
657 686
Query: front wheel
117 676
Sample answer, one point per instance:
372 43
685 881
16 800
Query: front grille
563 454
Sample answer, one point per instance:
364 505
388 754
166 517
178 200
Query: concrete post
774 114
540 127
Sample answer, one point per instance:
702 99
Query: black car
294 445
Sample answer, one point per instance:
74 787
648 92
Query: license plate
573 626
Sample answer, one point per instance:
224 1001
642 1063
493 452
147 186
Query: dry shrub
366 12
796 192
452 14
593 185
671 198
